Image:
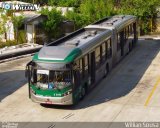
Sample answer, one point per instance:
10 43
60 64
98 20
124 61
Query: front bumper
65 100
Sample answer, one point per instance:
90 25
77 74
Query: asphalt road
131 92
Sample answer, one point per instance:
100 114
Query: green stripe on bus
73 54
50 92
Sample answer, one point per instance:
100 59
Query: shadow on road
10 82
122 79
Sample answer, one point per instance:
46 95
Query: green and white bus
63 71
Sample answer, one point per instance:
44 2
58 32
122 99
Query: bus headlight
67 93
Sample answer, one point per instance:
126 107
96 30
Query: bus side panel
92 68
114 48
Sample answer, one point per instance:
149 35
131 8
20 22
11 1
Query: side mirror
27 69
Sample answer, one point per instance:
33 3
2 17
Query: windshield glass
53 79
60 76
42 78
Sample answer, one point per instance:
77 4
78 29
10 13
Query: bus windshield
58 79
60 76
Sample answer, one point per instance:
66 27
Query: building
32 18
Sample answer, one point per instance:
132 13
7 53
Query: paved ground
131 92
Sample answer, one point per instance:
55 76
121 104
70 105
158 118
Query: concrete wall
30 31
9 32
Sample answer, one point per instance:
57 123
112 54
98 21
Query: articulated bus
63 71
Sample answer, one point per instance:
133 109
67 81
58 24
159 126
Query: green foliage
17 21
3 21
91 11
97 9
65 3
20 40
7 43
53 22
2 28
80 20
21 37
145 11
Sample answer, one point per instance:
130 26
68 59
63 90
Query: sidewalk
149 37
18 50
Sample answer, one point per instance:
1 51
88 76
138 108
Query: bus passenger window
118 41
126 33
81 69
128 30
77 65
97 52
86 65
104 51
109 49
131 29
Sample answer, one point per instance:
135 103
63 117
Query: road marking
68 116
152 92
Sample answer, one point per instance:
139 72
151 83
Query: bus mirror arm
27 75
27 69
26 72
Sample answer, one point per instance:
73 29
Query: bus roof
68 50
116 22
80 42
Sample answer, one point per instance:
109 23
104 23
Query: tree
53 22
17 22
3 20
80 20
97 9
65 3
91 11
2 26
144 10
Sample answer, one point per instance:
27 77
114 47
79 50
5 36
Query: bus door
92 67
122 42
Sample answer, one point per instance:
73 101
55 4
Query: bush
53 22
8 43
21 37
65 3
145 11
80 20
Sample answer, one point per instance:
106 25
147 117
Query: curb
14 58
149 38
18 54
